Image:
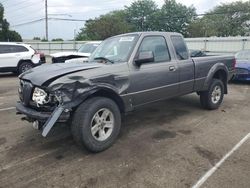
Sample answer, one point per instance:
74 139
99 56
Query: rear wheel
96 124
213 98
24 66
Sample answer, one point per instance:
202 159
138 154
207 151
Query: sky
23 11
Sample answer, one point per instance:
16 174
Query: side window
17 49
2 49
5 49
158 46
180 47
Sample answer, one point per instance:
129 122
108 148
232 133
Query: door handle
172 68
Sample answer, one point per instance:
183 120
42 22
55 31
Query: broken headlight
40 97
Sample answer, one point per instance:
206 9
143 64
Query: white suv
18 58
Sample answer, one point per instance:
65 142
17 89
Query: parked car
242 65
124 73
77 60
83 52
18 58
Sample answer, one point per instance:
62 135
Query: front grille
241 71
25 92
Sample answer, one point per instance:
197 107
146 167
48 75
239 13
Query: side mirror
144 57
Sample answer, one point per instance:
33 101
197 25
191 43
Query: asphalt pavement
172 143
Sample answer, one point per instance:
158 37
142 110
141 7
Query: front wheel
96 124
213 98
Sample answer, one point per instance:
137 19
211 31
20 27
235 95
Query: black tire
82 123
206 98
24 66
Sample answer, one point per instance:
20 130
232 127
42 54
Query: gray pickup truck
124 73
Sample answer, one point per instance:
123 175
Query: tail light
41 56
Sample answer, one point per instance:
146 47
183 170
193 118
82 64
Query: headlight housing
39 96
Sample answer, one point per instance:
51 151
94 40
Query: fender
22 60
215 68
108 92
104 90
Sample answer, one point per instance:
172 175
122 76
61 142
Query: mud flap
52 120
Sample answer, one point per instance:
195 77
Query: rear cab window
180 47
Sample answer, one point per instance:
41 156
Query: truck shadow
160 113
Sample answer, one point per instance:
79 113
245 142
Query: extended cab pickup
125 72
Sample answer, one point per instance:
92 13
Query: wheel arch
108 93
218 71
24 60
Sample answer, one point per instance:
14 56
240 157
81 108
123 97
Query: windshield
88 48
243 55
115 49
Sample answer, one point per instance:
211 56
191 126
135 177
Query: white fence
219 44
212 44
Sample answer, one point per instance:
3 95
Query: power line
71 19
22 16
3 1
16 4
41 19
68 19
108 9
20 8
24 20
28 23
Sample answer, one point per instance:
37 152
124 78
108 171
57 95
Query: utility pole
46 20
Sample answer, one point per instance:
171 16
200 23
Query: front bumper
39 116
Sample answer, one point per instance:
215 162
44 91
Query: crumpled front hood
41 74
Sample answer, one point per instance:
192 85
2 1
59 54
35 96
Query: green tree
105 26
5 33
230 19
44 40
175 17
14 36
141 13
36 38
57 39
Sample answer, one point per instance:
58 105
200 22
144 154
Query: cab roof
152 33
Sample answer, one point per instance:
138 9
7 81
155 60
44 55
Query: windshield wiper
104 58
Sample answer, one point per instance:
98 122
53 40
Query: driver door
155 80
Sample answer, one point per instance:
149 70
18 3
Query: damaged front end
46 100
45 106
42 107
